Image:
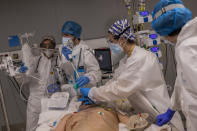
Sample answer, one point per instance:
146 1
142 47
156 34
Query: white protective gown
38 67
140 79
185 92
87 60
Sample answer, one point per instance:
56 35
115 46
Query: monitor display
104 59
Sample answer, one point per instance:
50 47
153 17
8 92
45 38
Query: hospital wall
48 16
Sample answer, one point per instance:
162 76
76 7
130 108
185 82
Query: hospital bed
50 115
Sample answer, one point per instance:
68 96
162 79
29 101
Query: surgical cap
128 34
170 15
72 28
118 27
48 37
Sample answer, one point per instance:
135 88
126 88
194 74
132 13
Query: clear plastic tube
75 69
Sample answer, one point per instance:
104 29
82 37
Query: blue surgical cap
72 28
170 20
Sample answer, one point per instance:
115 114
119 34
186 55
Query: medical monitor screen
104 59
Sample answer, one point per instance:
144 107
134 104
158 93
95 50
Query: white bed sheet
48 119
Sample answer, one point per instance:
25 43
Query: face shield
47 48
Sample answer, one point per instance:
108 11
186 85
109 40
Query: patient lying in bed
91 118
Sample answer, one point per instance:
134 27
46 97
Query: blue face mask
116 48
68 42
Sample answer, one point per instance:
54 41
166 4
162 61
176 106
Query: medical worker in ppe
174 21
81 55
138 78
40 76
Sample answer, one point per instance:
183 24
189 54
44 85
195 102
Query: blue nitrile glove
84 91
83 80
52 88
66 52
23 68
165 117
86 100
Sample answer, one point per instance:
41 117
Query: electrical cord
18 90
25 99
13 83
13 94
19 87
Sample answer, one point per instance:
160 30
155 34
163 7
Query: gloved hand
52 88
165 117
23 68
83 80
84 91
86 100
66 52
